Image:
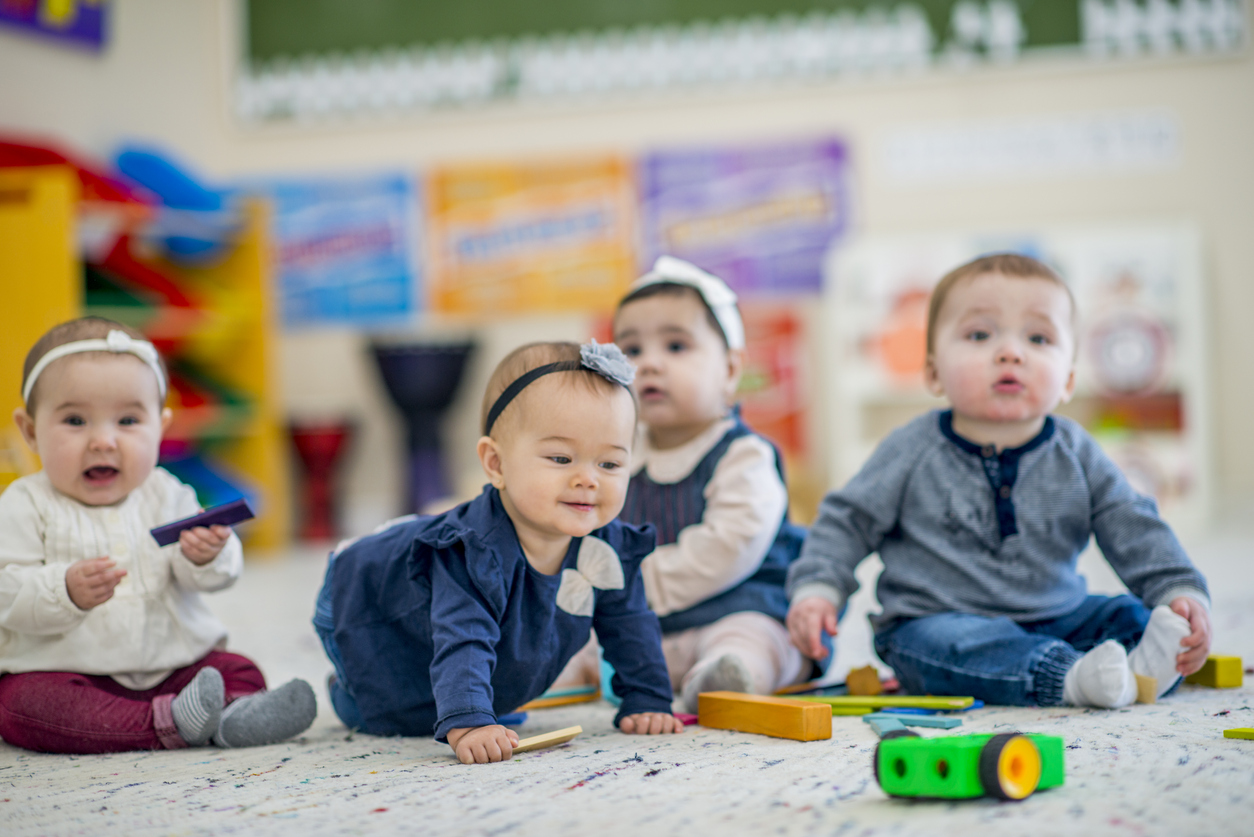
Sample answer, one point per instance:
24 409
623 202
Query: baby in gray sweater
980 512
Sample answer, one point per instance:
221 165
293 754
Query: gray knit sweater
964 529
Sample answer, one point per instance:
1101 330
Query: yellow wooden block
543 702
1146 689
763 715
1239 733
1218 672
549 739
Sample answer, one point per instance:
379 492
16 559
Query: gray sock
267 717
198 708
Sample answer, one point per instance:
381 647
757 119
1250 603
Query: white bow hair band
720 298
598 569
117 342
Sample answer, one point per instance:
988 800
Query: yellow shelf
39 275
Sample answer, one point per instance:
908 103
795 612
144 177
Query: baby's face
1004 349
685 377
565 461
97 426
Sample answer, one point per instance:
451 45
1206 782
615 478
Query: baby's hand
1198 642
90 582
201 544
480 745
650 723
807 619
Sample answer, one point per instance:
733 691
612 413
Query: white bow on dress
599 568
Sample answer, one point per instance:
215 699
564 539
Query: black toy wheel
875 757
1010 766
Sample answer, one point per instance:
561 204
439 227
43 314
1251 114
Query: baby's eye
676 346
611 466
126 421
1040 339
978 335
630 351
74 421
559 459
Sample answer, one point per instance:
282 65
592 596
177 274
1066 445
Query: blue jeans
998 660
324 623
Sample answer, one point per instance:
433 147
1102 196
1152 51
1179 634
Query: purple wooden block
227 514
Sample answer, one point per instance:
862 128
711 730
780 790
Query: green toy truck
1009 765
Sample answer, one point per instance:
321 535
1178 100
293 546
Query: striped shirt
967 529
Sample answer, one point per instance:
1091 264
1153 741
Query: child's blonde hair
532 356
1012 265
84 328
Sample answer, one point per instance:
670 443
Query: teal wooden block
934 721
883 723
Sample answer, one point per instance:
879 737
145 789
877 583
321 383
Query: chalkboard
278 28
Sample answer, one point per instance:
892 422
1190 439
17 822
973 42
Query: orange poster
509 238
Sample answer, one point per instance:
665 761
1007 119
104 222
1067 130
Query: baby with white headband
712 487
444 625
105 643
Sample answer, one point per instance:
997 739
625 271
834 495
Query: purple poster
80 22
759 217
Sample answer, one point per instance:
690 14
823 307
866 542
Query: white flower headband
720 298
118 342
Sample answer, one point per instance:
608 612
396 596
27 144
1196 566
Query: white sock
726 674
1155 656
1101 678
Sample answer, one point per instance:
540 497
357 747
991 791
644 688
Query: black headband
511 391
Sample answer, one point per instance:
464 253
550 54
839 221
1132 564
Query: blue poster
77 22
761 218
345 250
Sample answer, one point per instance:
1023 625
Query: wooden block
863 681
780 717
549 739
1146 689
562 697
934 721
1218 673
883 723
1239 733
881 701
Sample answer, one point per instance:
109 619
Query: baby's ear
490 459
930 379
735 366
26 424
1069 389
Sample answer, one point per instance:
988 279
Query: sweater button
1005 492
988 450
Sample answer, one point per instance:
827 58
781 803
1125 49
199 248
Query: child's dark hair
1012 265
84 328
676 289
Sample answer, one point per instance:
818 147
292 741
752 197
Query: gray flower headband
605 359
117 342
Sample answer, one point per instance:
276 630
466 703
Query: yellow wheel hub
1019 768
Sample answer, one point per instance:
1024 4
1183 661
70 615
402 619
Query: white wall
166 74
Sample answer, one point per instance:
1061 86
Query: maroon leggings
64 712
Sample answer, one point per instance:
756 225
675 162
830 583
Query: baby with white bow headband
442 625
105 643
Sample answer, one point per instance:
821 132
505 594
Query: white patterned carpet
1159 769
